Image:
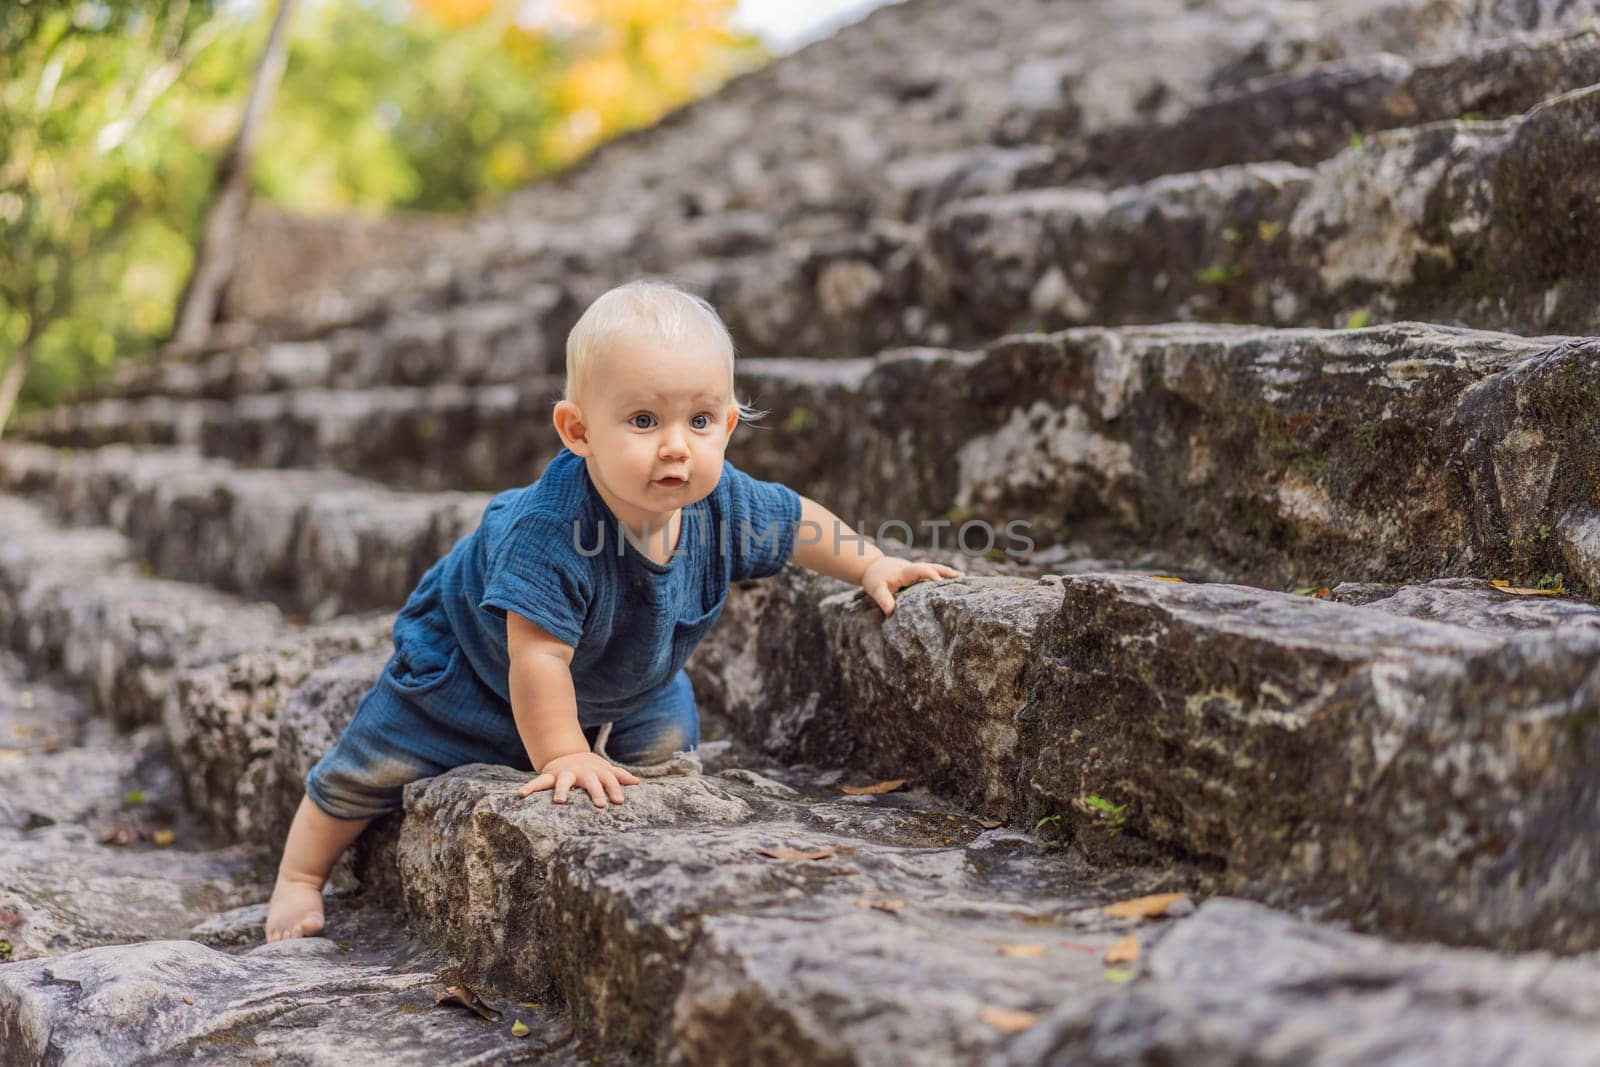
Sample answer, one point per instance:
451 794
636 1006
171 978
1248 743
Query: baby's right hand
585 769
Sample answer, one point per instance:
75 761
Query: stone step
433 439
317 543
1302 117
1240 983
1282 458
1439 222
817 296
35 716
244 731
63 887
76 601
731 949
481 341
903 945
1252 453
314 1003
1411 764
184 663
72 780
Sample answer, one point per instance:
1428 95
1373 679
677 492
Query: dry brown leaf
161 837
520 1029
991 824
873 790
1323 594
783 852
464 996
1165 578
189 1001
892 905
1081 947
1124 951
1023 951
1150 907
1007 1020
1516 590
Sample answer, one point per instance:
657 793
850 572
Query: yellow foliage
456 12
623 62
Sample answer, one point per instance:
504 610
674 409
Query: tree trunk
214 258
11 383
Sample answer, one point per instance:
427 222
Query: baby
553 637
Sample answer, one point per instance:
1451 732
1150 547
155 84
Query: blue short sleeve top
552 552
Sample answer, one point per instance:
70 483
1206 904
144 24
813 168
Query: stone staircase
1219 300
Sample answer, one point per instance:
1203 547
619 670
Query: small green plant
1358 319
1551 581
1216 274
1048 820
1357 141
1114 816
1544 531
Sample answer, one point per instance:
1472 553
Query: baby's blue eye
633 420
702 425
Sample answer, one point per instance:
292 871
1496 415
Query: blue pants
404 732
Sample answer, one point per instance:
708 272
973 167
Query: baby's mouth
671 483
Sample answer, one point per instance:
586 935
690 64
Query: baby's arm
545 707
825 544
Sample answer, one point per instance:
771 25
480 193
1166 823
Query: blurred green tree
113 114
81 89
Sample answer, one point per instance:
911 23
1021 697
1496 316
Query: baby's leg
316 841
669 724
360 778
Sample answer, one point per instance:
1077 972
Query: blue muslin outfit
552 552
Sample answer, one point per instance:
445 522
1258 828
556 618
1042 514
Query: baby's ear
732 421
568 420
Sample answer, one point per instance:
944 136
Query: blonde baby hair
656 309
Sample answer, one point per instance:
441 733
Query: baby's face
658 421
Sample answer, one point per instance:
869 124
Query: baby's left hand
891 573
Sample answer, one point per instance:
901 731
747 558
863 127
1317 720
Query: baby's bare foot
295 911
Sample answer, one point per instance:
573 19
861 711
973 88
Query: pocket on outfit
689 632
416 669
